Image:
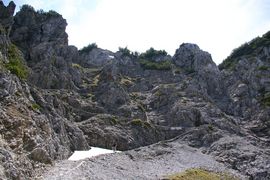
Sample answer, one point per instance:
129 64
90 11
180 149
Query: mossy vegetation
200 174
16 65
77 66
163 65
263 68
266 99
114 120
90 96
141 123
244 50
126 81
35 106
96 80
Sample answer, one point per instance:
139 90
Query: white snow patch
111 57
94 151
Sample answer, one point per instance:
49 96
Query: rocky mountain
56 99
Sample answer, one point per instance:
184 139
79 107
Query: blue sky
217 26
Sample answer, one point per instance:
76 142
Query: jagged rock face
207 77
42 38
192 58
73 100
6 22
247 79
6 16
32 28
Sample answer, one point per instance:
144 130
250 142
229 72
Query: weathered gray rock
42 38
191 58
95 58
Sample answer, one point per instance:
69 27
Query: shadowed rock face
6 15
73 99
42 38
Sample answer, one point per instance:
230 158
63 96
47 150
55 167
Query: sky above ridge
217 26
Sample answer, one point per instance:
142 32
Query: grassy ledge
199 174
16 65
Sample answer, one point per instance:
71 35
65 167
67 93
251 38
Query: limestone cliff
55 99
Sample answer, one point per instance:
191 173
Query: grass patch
96 80
200 174
16 65
114 120
141 123
35 106
77 66
163 65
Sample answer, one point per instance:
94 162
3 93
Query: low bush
163 65
152 54
88 48
16 65
141 123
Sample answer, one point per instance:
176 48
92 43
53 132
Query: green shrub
200 174
152 54
50 13
88 48
26 7
15 64
125 51
163 65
